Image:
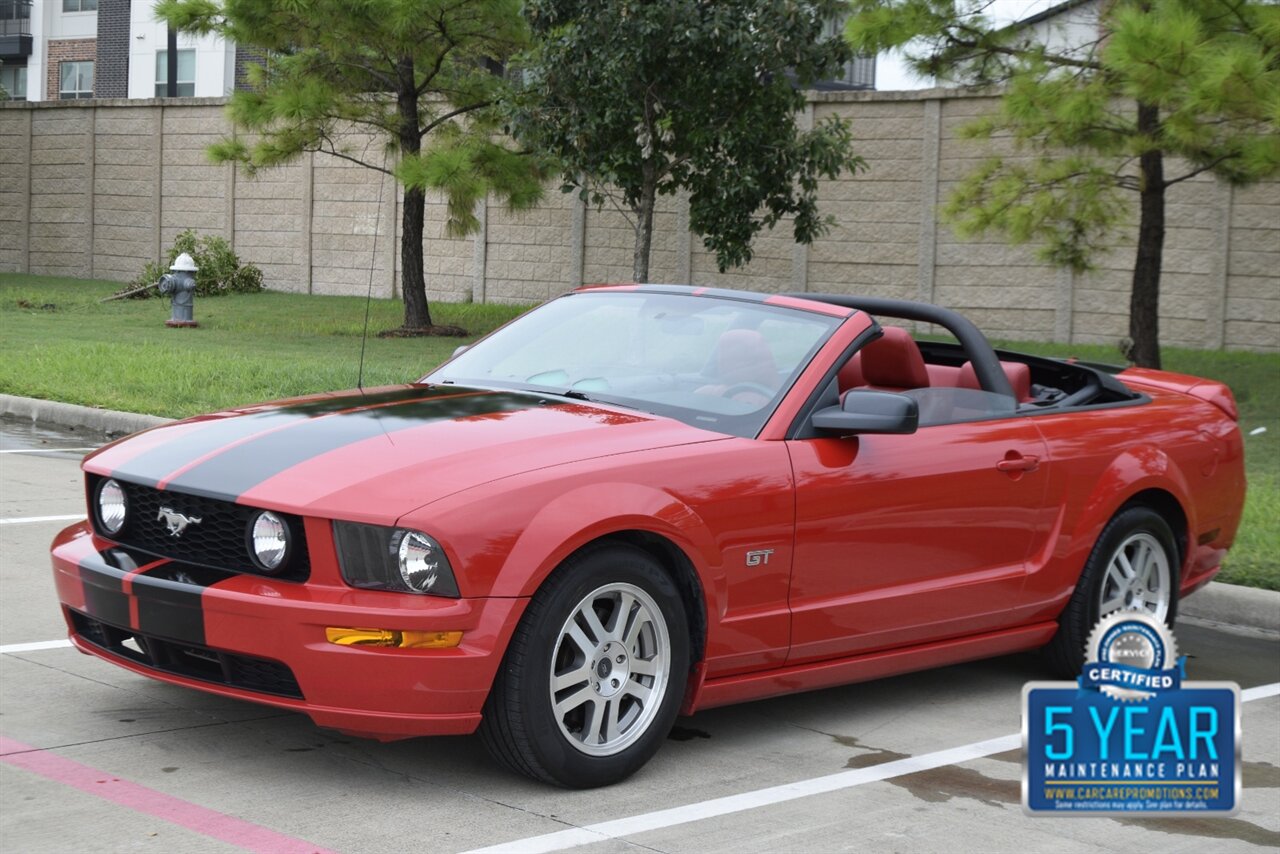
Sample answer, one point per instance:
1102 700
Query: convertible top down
639 501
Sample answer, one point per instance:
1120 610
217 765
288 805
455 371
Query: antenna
373 257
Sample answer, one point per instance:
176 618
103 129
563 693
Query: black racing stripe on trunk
153 466
102 575
228 475
170 600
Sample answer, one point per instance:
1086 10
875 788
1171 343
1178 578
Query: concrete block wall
60 218
127 190
99 188
15 190
1252 235
876 243
1004 289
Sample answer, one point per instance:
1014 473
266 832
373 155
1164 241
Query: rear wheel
595 672
1133 565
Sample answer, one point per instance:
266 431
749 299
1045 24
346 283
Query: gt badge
175 521
758 557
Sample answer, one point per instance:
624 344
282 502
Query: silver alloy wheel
610 669
1138 577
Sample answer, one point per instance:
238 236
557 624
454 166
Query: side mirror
460 350
865 411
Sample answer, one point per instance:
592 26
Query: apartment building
65 49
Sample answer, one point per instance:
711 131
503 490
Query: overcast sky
892 72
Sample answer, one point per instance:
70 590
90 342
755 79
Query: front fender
589 512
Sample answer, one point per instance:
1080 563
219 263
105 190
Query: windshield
714 363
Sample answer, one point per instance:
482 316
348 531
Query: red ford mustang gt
640 501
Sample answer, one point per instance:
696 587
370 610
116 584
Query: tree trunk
644 230
1144 300
413 283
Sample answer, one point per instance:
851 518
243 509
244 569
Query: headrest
850 375
894 361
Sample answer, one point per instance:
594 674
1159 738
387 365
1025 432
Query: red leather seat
1019 377
850 376
893 362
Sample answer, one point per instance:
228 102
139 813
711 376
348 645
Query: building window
79 5
186 73
77 80
13 80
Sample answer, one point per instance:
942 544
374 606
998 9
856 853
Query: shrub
220 271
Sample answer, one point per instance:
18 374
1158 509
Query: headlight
419 558
113 507
269 542
381 558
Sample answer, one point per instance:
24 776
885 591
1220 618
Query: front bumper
262 640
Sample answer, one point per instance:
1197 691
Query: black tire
1065 652
520 727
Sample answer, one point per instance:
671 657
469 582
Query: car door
908 539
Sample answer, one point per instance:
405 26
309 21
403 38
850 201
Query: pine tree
417 74
1168 90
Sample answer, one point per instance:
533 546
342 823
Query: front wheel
593 677
1134 565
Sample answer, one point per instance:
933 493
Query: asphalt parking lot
94 758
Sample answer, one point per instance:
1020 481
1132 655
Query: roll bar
986 365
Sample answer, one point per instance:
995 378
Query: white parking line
28 520
618 828
46 450
11 648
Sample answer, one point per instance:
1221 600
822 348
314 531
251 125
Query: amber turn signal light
393 638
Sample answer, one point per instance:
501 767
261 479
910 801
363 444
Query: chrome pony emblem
175 521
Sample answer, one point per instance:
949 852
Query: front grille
190 660
219 540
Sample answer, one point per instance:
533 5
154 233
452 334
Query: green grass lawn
248 348
65 345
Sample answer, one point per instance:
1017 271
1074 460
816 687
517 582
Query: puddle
1208 828
1260 775
939 785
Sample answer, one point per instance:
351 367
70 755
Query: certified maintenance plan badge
1131 737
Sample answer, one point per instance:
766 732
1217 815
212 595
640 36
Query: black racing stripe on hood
228 475
153 466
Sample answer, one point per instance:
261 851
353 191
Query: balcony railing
15 17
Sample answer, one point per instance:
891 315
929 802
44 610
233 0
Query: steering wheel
757 388
1091 387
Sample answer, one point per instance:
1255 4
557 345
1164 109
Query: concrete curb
104 421
1235 606
1220 603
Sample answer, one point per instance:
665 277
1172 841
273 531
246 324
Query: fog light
393 638
113 507
269 541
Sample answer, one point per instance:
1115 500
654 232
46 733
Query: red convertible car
640 501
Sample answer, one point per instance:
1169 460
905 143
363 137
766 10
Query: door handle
1018 463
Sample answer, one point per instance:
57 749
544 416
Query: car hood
373 456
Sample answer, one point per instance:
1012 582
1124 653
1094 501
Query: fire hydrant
181 282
